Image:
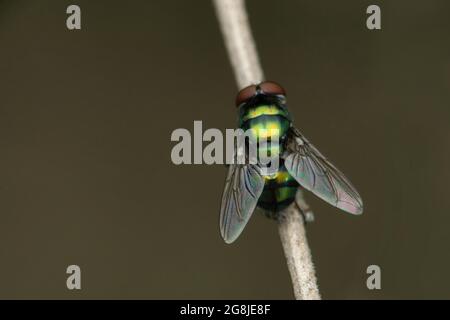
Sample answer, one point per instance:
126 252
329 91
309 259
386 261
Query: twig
298 256
247 70
239 41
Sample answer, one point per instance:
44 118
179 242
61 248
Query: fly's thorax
263 105
267 123
265 115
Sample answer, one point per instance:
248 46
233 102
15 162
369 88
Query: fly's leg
269 213
303 207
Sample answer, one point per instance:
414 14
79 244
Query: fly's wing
243 187
316 174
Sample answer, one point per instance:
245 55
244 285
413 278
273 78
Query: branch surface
243 55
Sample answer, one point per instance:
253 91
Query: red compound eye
245 94
269 87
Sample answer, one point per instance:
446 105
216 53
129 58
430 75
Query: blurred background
86 176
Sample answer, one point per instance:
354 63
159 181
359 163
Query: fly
263 107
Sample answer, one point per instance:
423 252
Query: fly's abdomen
279 191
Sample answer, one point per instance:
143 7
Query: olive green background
85 170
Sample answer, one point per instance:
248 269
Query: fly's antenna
243 55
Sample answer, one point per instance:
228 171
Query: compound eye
269 87
245 94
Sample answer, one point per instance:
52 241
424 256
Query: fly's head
264 92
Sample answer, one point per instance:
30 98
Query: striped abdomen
279 191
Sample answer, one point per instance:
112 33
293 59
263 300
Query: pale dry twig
247 69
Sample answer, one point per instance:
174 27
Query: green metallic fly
301 165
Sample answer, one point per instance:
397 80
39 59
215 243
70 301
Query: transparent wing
316 174
243 186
